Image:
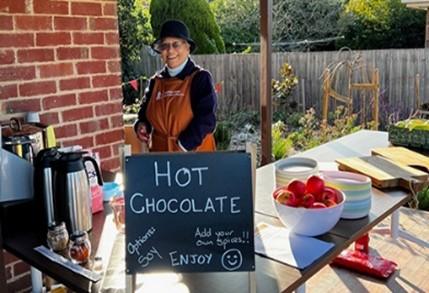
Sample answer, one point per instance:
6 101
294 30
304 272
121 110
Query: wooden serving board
404 156
383 172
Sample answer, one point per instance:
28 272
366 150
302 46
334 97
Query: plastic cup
118 207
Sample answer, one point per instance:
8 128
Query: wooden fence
239 76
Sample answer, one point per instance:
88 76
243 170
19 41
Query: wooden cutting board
383 172
404 156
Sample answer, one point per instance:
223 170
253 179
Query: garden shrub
313 133
423 199
198 17
281 145
222 135
282 89
238 120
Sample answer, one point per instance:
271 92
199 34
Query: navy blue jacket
203 104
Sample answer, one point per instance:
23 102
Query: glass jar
117 204
80 247
57 237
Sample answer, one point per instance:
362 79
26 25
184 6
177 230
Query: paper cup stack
294 168
357 189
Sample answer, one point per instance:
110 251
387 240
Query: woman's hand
142 133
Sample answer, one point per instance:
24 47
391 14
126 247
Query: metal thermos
43 183
73 192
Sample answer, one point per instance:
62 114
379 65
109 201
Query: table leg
395 232
300 289
130 283
252 282
394 224
36 280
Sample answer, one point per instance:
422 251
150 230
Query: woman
178 113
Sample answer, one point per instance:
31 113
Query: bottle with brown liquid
80 247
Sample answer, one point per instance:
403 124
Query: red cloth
367 264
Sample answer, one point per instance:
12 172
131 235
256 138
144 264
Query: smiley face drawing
232 259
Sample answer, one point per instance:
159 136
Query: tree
198 17
134 32
377 24
295 21
239 22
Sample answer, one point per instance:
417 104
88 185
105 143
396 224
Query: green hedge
197 16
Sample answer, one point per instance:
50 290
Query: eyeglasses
165 46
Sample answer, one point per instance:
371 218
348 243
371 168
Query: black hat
177 29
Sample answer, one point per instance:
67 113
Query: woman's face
174 51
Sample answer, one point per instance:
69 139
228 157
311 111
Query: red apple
277 192
315 186
293 201
307 200
287 197
329 193
318 205
296 186
281 195
330 202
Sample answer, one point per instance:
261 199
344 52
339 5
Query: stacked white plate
294 168
357 189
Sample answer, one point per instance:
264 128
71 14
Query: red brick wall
17 273
61 59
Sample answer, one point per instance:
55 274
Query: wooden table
357 144
384 203
271 276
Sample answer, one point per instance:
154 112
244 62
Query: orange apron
169 111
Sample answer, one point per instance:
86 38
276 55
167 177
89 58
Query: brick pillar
61 58
17 273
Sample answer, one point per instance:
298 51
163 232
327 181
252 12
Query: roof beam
265 80
416 4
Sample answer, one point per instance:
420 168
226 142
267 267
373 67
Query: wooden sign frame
130 281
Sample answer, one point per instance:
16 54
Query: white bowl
294 168
310 222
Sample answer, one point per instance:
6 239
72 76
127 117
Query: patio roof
417 4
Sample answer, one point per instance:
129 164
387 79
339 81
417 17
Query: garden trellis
358 77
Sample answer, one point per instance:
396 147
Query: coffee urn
44 172
62 189
73 192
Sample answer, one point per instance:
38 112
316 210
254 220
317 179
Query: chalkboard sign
189 212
